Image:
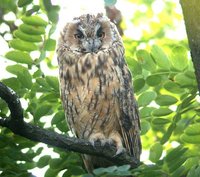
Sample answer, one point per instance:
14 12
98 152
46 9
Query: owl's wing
129 117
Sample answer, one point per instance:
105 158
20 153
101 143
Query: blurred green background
163 77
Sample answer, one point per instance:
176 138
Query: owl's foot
116 139
97 137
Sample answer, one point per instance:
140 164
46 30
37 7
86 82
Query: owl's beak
90 46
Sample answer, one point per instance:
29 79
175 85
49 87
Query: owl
96 87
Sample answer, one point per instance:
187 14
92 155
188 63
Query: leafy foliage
164 84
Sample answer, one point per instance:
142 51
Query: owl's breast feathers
96 91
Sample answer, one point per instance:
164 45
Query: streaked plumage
96 86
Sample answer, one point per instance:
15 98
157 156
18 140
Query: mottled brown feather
96 87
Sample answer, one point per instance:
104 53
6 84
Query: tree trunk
191 13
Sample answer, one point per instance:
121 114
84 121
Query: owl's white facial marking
90 38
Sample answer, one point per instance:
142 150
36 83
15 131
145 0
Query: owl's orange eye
79 35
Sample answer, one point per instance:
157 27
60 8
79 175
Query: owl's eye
79 35
100 33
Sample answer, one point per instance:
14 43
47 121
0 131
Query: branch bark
191 13
18 126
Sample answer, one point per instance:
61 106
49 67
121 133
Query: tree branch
17 125
191 13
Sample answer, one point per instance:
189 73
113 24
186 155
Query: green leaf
160 121
190 162
123 168
161 112
22 73
191 139
99 171
19 57
58 117
50 44
110 169
175 153
179 58
173 87
179 171
183 80
146 98
145 112
165 100
176 164
12 82
192 172
43 161
25 78
134 66
193 129
147 62
22 45
145 126
167 135
53 82
34 30
22 3
153 80
51 172
27 37
160 57
62 126
42 110
76 170
34 20
155 152
138 84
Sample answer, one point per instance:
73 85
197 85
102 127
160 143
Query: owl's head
90 33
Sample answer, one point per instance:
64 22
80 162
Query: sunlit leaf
146 98
168 134
27 37
134 66
192 139
183 80
160 121
146 111
19 57
34 20
193 129
50 44
155 152
53 82
160 57
138 84
162 112
34 30
42 110
22 73
145 126
179 58
175 153
153 80
173 87
146 60
165 100
22 45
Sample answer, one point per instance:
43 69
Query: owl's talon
120 151
92 143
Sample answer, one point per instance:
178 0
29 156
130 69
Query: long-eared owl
96 86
